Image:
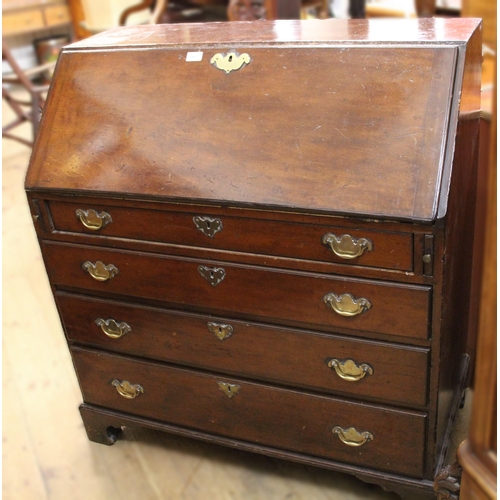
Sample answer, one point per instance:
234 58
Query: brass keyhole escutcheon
222 332
230 390
209 226
214 275
231 61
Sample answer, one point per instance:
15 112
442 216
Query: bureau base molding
104 426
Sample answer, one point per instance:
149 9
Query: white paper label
194 56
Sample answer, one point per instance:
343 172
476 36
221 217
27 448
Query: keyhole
231 58
220 330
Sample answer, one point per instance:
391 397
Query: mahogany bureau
260 234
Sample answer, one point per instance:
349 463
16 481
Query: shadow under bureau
260 234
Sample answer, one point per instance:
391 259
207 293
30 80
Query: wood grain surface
309 128
245 291
265 236
286 356
261 414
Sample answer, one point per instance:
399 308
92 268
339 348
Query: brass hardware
99 271
214 275
113 329
349 370
126 389
230 61
346 304
428 253
222 332
230 390
207 225
37 215
351 437
346 246
93 220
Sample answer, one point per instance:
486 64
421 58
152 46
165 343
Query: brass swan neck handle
352 437
346 305
93 220
100 271
346 246
126 389
349 370
112 328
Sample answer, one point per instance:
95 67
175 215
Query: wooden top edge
428 30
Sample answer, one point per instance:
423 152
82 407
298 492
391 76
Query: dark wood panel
268 293
299 241
283 418
347 148
300 358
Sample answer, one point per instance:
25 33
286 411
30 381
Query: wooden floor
46 454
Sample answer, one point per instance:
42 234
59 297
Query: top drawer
316 242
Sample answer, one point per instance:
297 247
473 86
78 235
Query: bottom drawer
365 435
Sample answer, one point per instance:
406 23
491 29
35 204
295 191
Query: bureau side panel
458 229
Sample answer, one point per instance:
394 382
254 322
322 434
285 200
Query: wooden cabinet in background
30 16
478 454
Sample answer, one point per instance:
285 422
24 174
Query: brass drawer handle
351 437
207 225
346 246
126 389
99 271
93 220
214 275
230 390
112 328
222 332
349 370
346 304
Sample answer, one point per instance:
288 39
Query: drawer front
336 364
23 21
258 413
57 14
284 297
266 237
